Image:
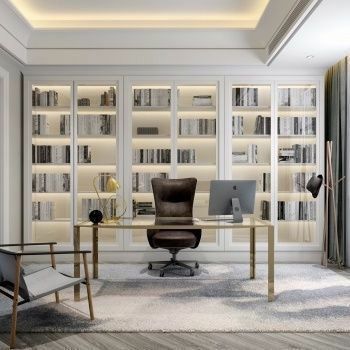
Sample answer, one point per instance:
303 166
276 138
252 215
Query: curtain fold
336 130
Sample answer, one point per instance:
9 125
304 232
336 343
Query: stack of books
297 210
202 100
250 157
151 156
147 130
246 96
197 127
152 97
237 125
289 126
298 153
43 211
44 98
145 208
186 156
50 183
262 125
141 182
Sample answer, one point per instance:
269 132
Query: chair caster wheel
196 265
191 273
161 274
150 266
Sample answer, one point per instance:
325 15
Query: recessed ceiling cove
242 14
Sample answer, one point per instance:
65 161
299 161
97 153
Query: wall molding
4 156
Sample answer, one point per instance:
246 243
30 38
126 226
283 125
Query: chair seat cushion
174 239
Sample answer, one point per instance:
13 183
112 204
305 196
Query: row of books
237 125
202 100
44 98
151 156
250 156
90 204
197 127
297 97
300 180
297 210
296 126
265 210
141 182
40 124
59 154
108 98
186 156
100 124
264 184
43 211
152 97
49 183
262 125
246 96
298 153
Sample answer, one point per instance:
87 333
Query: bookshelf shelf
50 109
197 109
251 109
251 164
151 109
97 109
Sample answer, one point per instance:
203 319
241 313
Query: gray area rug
220 298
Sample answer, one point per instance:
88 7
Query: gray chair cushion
48 281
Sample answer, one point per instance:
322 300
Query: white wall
15 147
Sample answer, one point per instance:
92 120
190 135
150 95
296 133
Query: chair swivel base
172 263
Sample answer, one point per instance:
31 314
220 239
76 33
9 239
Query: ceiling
141 13
245 33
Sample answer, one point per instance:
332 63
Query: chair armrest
26 244
58 252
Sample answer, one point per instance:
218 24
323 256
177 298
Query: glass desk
251 223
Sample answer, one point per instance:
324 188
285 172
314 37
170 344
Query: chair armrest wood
58 252
26 244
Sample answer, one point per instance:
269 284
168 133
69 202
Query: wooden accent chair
30 283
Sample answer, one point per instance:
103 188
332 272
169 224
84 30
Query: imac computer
232 197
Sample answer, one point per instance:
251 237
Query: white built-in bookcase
243 98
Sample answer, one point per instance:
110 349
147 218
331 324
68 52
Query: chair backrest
174 197
8 273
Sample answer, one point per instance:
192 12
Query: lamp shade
112 185
314 185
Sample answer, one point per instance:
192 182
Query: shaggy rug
219 298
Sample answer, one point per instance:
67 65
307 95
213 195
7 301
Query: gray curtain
336 126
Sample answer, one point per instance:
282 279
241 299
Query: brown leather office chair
174 199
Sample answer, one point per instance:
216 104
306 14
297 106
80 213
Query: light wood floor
178 341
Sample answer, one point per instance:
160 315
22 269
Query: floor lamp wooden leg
88 288
53 263
15 303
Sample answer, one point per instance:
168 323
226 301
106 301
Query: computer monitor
228 194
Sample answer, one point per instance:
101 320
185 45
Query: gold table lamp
112 185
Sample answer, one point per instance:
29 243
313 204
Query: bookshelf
297 125
206 119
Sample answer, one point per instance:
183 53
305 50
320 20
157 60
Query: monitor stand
236 211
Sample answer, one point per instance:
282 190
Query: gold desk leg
252 252
95 251
271 264
76 242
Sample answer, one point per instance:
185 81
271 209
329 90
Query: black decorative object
314 185
96 216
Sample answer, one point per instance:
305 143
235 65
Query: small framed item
236 211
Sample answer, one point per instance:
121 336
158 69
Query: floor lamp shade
314 185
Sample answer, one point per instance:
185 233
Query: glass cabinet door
251 147
297 162
196 132
97 162
51 160
151 147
